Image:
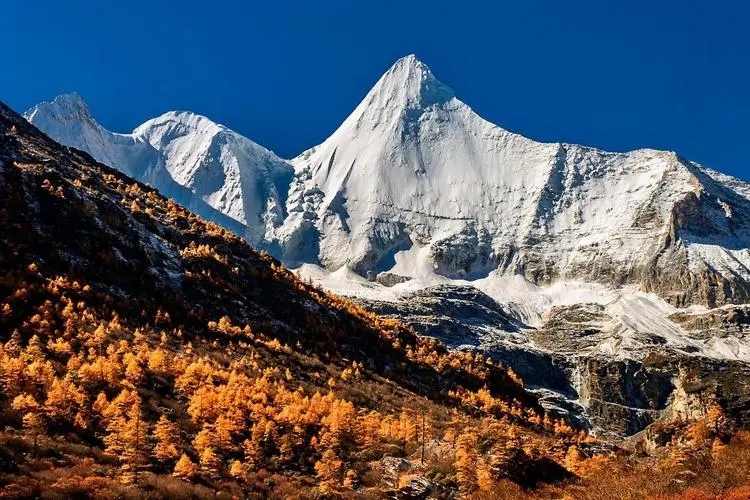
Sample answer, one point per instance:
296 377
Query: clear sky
618 75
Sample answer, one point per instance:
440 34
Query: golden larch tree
330 471
167 437
185 468
466 461
210 463
126 434
33 417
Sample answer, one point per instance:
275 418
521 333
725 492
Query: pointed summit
67 119
411 84
69 106
403 93
410 63
72 100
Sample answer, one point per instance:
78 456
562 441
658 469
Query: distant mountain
207 167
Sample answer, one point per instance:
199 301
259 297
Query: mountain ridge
246 182
149 353
411 147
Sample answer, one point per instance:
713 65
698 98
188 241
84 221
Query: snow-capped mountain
414 174
414 186
214 171
68 120
415 183
582 269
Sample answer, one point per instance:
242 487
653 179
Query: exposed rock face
721 322
390 279
563 361
455 314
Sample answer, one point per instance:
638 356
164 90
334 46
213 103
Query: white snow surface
68 120
414 167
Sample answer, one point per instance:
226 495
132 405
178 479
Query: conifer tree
11 374
329 470
126 434
157 361
466 461
34 349
210 463
64 399
100 404
185 468
33 417
39 374
407 428
167 436
13 345
224 430
133 371
253 451
237 470
206 438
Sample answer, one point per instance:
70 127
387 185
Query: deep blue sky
669 74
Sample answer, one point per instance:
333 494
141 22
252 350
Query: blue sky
618 75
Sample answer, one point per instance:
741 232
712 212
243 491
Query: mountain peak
410 83
410 60
187 119
65 106
71 99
